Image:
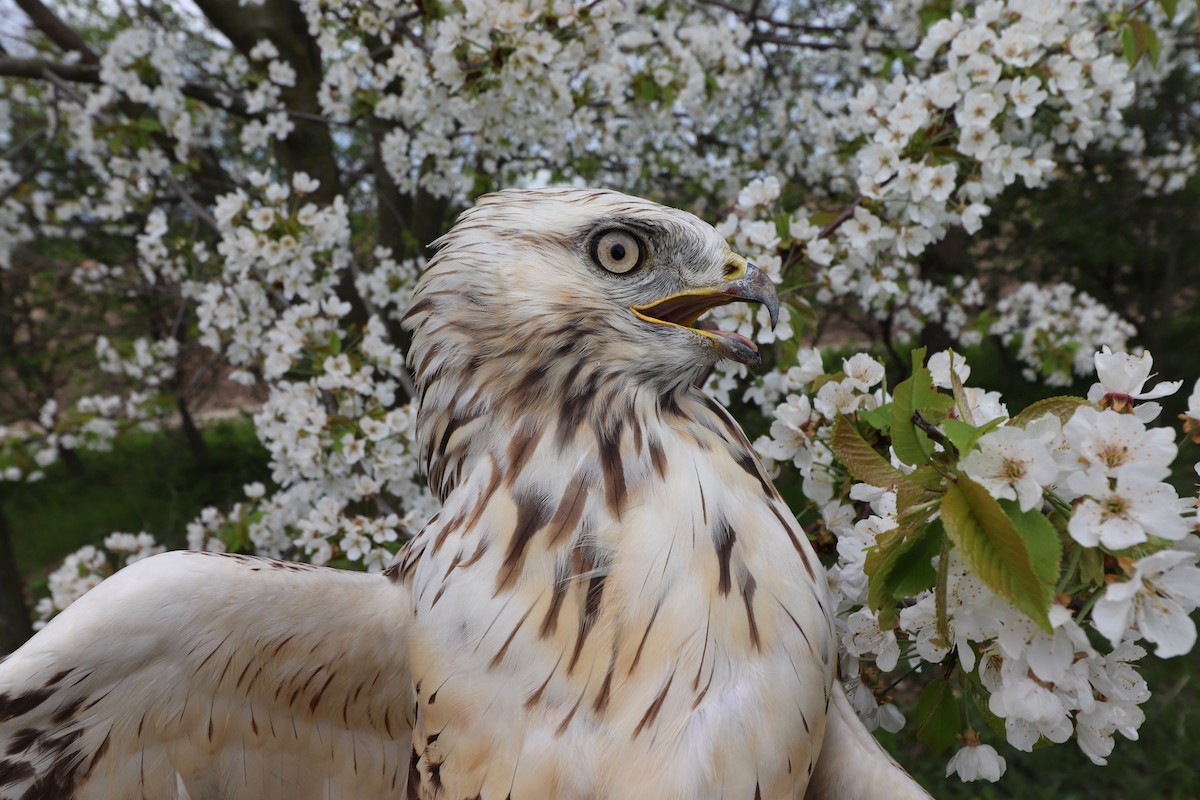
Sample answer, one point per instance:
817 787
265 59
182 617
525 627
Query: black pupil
617 252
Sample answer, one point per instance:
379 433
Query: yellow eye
618 251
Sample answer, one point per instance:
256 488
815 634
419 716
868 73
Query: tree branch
57 31
36 69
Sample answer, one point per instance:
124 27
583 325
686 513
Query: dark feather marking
636 428
532 515
704 650
562 726
724 540
795 541
14 771
746 460
312 705
804 720
703 502
59 744
21 741
595 594
520 450
655 707
536 697
799 627
446 530
480 549
483 502
637 656
748 588
438 596
611 466
435 777
550 623
605 689
757 791
454 562
570 509
496 659
56 678
658 458
12 707
67 711
731 427
424 304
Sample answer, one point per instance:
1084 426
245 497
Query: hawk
613 601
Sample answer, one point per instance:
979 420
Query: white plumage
612 602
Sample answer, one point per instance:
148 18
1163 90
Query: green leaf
1153 45
863 461
1041 539
335 343
932 404
1063 407
961 434
878 418
1168 7
905 436
1129 45
901 565
994 550
937 719
1137 38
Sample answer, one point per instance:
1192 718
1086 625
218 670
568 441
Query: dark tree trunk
15 625
192 434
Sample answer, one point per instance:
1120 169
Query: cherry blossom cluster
1092 469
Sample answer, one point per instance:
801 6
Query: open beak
747 283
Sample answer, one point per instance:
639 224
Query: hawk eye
618 251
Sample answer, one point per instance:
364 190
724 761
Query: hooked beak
747 283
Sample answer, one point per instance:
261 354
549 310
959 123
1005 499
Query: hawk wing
198 675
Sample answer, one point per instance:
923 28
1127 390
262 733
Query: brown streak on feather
312 705
12 707
799 627
536 697
532 515
658 458
570 509
746 460
748 588
795 541
520 450
637 656
595 593
562 726
655 707
482 503
724 540
605 688
611 466
21 741
496 659
480 549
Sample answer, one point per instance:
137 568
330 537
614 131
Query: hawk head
569 306
586 274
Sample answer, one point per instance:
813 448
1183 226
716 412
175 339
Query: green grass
150 482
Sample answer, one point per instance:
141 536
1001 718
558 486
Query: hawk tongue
685 309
